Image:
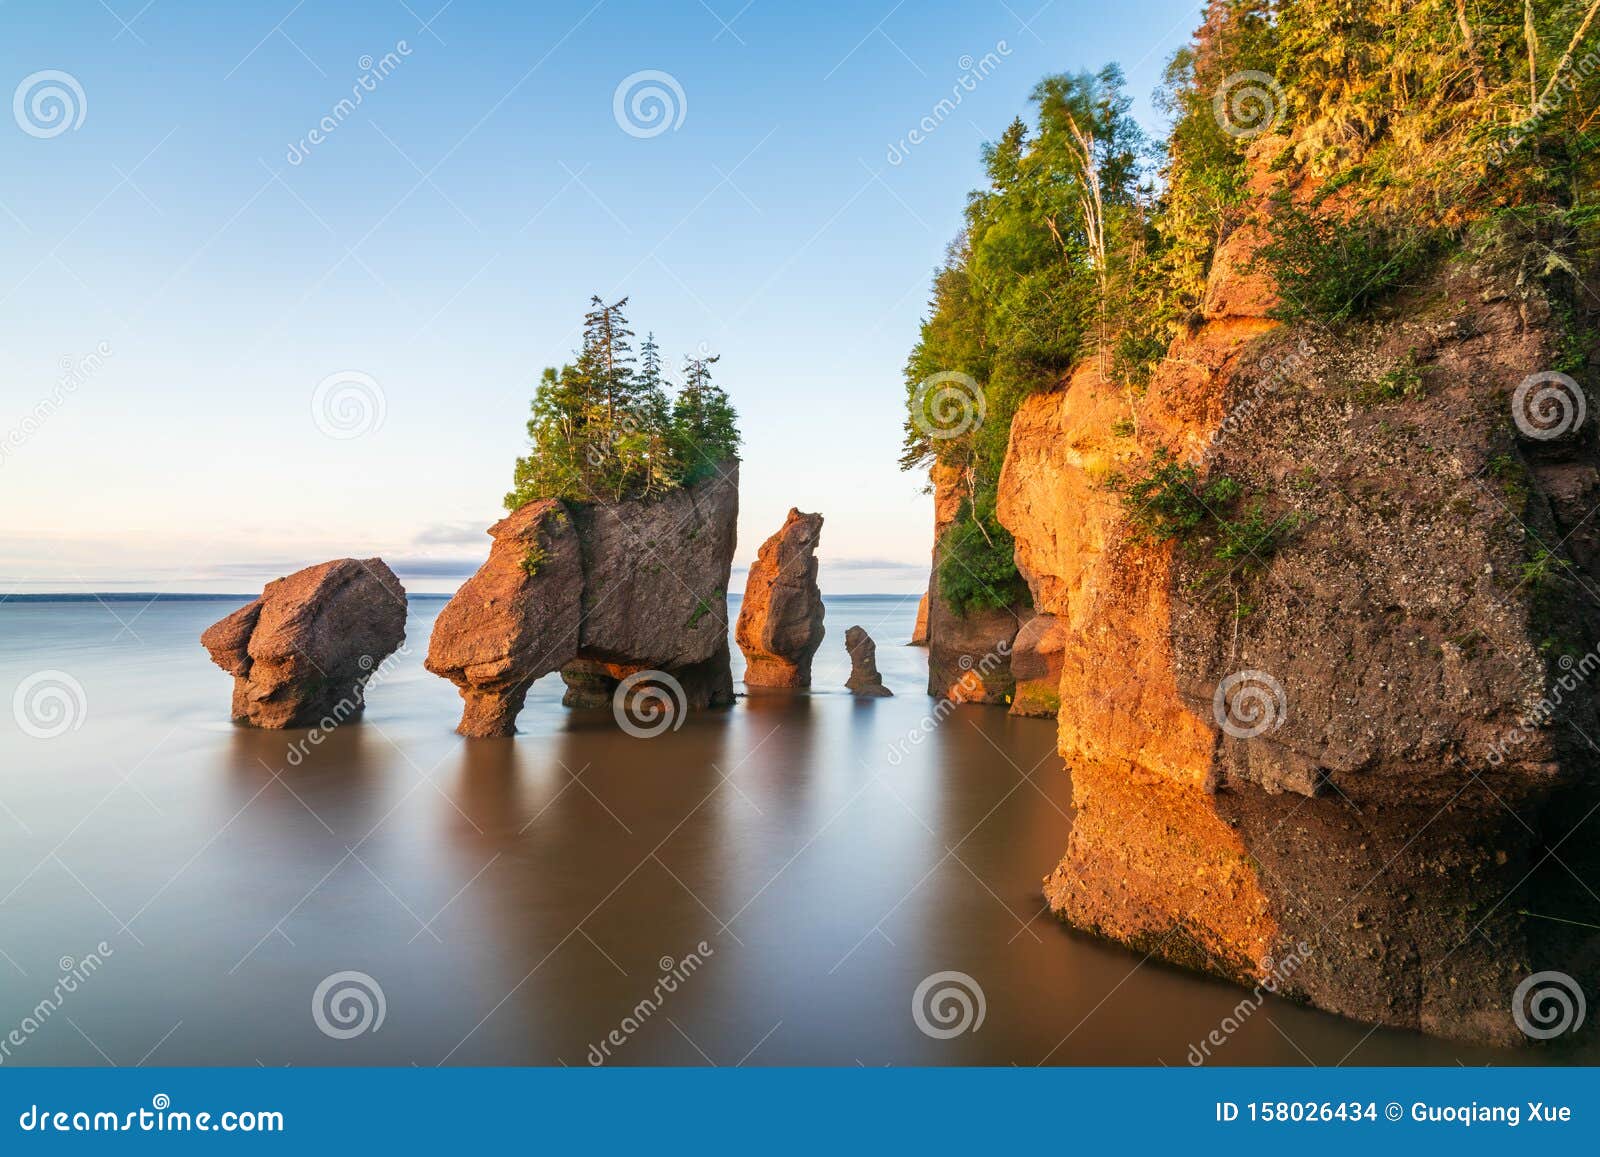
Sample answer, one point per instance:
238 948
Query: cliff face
1311 747
969 656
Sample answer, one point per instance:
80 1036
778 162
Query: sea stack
514 620
598 591
864 681
301 654
780 619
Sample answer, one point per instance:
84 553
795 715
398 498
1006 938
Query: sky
234 343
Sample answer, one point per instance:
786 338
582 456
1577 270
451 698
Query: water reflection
519 900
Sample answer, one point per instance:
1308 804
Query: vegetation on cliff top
604 428
1402 130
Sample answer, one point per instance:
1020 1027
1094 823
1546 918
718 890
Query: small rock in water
864 679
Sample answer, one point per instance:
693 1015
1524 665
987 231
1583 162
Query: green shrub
1403 381
1328 269
1169 500
1256 536
977 567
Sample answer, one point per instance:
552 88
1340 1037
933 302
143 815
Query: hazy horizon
189 267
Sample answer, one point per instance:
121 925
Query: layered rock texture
864 681
1036 667
969 656
597 591
1311 745
302 653
780 619
919 633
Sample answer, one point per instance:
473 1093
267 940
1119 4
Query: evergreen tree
705 430
604 427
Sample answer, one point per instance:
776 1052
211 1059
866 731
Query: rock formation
597 591
969 656
864 681
1036 667
1315 748
301 654
513 621
780 619
919 633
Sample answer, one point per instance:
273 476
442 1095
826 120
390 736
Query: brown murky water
521 901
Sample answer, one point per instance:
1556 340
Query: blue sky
183 266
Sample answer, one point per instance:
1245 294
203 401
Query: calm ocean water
764 885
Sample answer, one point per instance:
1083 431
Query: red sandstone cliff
1393 639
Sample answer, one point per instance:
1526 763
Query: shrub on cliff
603 427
